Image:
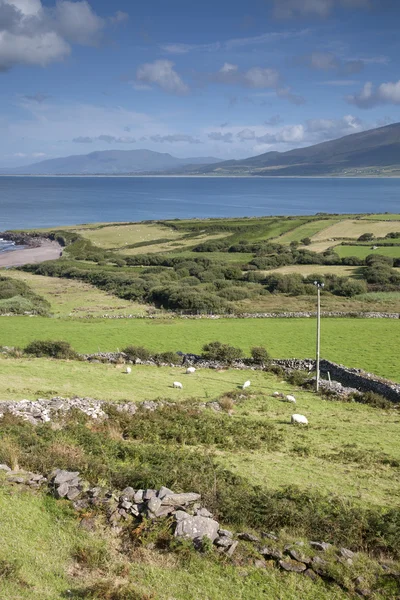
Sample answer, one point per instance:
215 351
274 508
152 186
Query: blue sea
28 202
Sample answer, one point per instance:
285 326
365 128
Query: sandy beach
48 250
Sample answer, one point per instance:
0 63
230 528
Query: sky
223 78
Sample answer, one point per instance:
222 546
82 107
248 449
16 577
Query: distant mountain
109 162
372 152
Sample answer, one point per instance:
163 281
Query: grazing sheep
190 370
128 370
278 395
178 385
246 385
299 420
291 399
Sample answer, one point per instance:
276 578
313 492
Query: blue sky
216 78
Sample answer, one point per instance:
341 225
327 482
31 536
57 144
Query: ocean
29 202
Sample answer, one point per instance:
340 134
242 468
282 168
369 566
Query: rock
88 523
138 497
203 512
300 557
224 542
181 514
232 548
274 553
292 566
62 490
224 532
73 493
15 479
164 491
248 537
346 553
270 536
64 476
364 592
180 499
164 511
125 504
259 564
154 504
322 546
127 494
149 494
196 528
311 574
5 468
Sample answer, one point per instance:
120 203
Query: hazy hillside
109 162
373 151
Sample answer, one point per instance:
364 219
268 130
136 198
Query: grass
363 251
222 257
306 270
71 297
117 236
382 217
38 537
306 230
372 344
353 229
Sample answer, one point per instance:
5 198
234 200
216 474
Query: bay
29 202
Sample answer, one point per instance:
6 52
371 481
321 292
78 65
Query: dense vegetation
17 298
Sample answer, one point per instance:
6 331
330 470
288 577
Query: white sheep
246 385
291 399
128 370
299 420
178 385
190 370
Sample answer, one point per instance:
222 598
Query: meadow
363 251
371 344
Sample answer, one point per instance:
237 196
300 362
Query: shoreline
47 250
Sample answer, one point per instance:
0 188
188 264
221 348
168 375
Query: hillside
376 151
109 162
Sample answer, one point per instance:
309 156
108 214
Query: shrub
222 352
260 355
56 349
306 241
134 352
373 399
366 237
168 357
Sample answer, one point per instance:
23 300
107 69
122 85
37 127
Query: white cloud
256 78
77 22
370 96
119 17
162 74
32 33
287 9
174 138
218 136
108 139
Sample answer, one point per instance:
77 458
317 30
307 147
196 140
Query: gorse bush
51 349
134 352
221 352
260 355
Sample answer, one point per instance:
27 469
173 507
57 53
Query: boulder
180 499
300 557
322 546
292 566
248 537
273 553
195 528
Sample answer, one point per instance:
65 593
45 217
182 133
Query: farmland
359 343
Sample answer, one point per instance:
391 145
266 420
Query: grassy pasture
363 251
372 344
305 270
382 217
335 427
354 228
117 236
307 230
73 297
222 257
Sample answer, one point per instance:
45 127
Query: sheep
299 420
278 395
291 399
246 385
190 370
178 385
128 370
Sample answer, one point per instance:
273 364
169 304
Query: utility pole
318 286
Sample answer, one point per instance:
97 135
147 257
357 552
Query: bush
221 352
260 355
134 352
168 357
366 237
373 399
56 349
306 241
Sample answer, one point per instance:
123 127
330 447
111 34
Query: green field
372 344
363 251
306 230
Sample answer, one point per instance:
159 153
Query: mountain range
372 152
110 162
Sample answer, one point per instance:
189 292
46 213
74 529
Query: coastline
48 250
